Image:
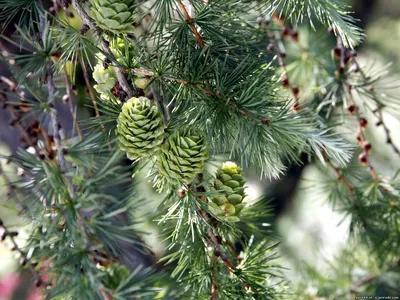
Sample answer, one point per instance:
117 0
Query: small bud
38 282
224 257
295 35
74 89
359 138
55 57
285 82
286 33
363 123
351 109
295 91
35 127
13 233
265 122
363 158
367 146
65 151
181 193
338 52
389 140
296 106
379 123
217 252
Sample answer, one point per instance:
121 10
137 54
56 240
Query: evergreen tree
195 92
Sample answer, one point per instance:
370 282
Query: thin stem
190 21
342 179
71 105
361 136
378 110
285 75
93 98
214 287
89 87
60 153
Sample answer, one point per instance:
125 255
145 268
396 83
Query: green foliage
329 12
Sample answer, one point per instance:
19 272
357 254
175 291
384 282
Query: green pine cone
183 156
228 203
116 16
115 273
105 78
140 128
124 53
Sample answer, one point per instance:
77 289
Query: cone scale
227 202
183 156
140 128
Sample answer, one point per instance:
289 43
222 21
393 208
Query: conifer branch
362 122
378 110
274 46
60 151
205 91
191 23
105 46
71 105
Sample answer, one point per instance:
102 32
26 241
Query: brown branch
362 122
273 46
190 21
378 111
214 287
342 179
71 105
89 87
105 46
